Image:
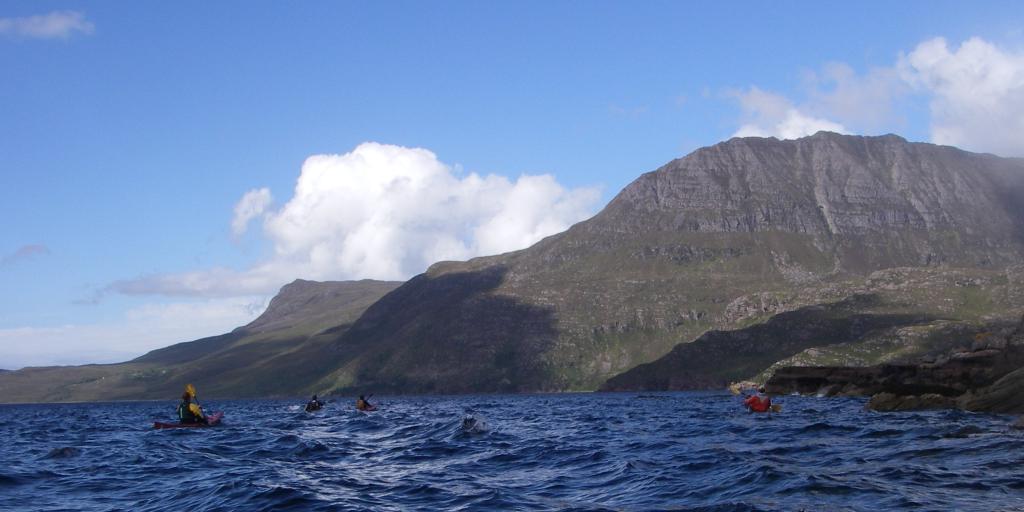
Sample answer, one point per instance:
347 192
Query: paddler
759 402
189 411
314 405
362 404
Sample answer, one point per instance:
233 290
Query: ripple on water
65 452
881 433
11 480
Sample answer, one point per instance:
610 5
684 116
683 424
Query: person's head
362 398
185 396
314 398
760 389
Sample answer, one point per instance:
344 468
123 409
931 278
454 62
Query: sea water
672 451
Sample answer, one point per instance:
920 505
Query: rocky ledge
987 377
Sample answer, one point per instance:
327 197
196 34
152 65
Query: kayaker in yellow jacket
188 411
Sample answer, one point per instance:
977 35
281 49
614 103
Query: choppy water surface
682 451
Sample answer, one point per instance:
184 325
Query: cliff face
726 236
867 202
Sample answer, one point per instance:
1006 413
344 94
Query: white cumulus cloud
383 212
252 205
976 90
771 115
54 25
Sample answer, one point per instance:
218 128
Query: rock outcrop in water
986 377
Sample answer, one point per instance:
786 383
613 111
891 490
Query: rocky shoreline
986 377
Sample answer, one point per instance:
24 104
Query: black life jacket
185 415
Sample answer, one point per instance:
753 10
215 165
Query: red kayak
212 420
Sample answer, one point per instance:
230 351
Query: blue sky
131 133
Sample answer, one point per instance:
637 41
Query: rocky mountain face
721 239
866 203
282 352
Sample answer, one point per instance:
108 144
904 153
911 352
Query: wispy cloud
864 102
23 253
253 204
771 115
627 112
54 25
383 212
974 91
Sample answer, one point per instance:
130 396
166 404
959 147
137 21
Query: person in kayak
314 405
758 402
189 412
362 404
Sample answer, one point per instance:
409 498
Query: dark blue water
682 451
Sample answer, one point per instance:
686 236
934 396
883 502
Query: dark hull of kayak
211 421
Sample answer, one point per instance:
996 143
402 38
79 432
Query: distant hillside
279 353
